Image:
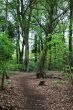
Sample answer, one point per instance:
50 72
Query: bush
6 50
6 47
13 66
32 65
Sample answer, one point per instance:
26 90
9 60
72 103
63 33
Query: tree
70 31
70 37
48 29
22 12
6 50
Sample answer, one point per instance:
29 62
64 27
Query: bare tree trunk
35 48
26 33
2 83
6 14
70 32
49 65
70 38
17 45
40 68
26 61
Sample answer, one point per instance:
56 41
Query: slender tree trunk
39 47
35 48
17 56
6 14
21 51
49 65
70 38
70 33
26 62
17 45
2 83
41 44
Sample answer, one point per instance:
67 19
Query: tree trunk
50 53
70 32
26 62
41 64
35 48
70 38
6 14
40 69
17 45
2 83
21 57
26 33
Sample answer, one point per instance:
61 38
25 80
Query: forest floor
23 92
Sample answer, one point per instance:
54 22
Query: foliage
6 51
6 48
32 65
58 51
13 66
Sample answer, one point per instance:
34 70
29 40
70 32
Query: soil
23 92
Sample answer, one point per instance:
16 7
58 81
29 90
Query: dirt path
54 95
34 100
31 99
24 93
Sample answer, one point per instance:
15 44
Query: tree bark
70 33
40 68
26 61
26 33
2 83
35 48
70 39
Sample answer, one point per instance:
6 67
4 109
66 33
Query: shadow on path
34 101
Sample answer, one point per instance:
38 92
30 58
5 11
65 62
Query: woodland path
56 94
31 99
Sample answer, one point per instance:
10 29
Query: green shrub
6 50
32 65
14 66
6 47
